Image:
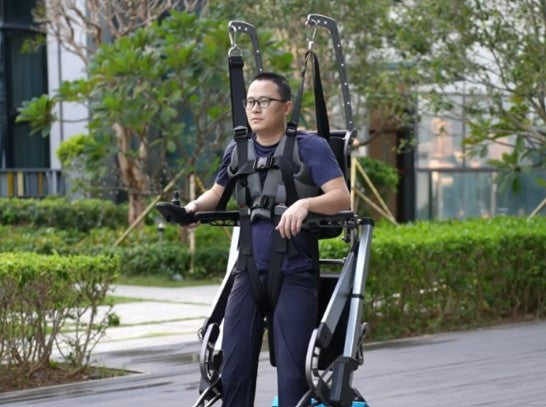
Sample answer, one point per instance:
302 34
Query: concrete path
499 366
160 316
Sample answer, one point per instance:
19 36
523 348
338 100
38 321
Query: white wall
63 65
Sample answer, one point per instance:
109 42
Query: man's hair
279 80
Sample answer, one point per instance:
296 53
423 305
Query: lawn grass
157 281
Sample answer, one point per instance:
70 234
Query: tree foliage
137 89
82 26
493 52
398 51
158 98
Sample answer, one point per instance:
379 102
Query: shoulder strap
238 116
323 124
238 91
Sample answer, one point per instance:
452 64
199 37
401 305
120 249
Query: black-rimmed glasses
263 102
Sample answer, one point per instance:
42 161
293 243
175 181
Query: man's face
271 118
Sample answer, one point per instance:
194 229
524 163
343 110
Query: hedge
142 253
62 213
423 277
40 296
427 276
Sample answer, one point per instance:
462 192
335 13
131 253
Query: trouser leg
293 323
242 339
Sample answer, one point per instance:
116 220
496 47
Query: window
450 185
22 77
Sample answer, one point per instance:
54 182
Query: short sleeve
319 157
222 177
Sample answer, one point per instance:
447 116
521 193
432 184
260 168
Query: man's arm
207 201
336 198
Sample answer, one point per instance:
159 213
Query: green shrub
158 259
210 261
423 277
429 276
40 295
61 213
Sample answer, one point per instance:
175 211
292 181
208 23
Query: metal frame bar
235 27
330 24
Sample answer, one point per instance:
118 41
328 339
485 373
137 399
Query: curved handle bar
330 24
235 26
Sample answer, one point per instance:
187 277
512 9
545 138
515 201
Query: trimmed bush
427 277
39 296
141 254
154 259
61 213
210 261
423 277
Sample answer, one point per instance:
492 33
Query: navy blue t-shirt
317 155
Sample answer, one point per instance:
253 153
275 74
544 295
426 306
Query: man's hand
292 219
207 201
191 207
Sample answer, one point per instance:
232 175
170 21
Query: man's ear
288 107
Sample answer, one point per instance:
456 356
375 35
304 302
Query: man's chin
256 128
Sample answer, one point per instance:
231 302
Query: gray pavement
498 366
161 316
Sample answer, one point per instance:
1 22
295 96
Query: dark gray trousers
293 322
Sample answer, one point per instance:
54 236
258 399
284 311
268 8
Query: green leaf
38 112
171 147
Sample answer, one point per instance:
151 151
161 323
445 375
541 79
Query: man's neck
270 138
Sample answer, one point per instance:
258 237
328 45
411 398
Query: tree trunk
134 178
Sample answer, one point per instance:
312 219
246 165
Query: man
267 107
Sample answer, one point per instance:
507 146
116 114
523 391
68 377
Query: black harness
287 180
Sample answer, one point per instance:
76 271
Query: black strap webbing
238 91
286 165
247 263
238 115
323 124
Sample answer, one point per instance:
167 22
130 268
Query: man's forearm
329 203
208 201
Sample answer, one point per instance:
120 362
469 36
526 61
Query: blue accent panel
355 403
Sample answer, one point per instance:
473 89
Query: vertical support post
353 185
357 294
191 232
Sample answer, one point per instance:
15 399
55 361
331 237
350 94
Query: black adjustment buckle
264 202
240 133
236 61
244 212
263 163
291 129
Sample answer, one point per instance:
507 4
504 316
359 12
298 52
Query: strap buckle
244 211
291 129
240 133
279 209
263 163
264 202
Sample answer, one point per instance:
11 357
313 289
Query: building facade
450 184
28 164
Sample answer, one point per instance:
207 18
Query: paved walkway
496 366
160 316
